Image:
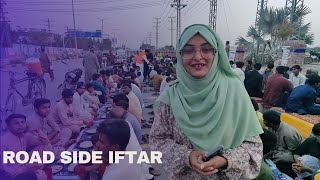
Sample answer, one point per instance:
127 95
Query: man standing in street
90 64
46 64
147 58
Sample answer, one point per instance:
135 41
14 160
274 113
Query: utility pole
102 20
149 37
292 8
74 27
179 6
5 39
262 5
171 29
49 30
213 14
157 31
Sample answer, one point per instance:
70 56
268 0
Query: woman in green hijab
208 106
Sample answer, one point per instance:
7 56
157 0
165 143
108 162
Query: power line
225 15
64 3
195 10
170 13
202 5
166 7
114 8
191 7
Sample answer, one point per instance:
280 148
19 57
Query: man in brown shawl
46 64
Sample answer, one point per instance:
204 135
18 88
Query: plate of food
91 131
86 144
56 168
71 167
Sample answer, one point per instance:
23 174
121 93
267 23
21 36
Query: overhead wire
232 17
191 7
166 7
38 3
201 6
115 8
226 19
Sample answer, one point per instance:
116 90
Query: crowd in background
295 92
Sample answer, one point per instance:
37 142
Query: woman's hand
299 168
215 163
206 168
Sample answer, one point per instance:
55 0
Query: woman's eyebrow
189 45
205 44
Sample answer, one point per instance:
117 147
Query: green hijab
215 110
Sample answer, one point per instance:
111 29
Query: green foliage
274 27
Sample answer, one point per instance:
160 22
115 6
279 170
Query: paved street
59 71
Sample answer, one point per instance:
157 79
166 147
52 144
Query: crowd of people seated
285 87
289 89
57 128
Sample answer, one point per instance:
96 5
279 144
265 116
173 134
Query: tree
272 29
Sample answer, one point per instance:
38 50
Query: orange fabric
157 82
35 68
139 58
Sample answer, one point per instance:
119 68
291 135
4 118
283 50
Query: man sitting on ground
296 78
64 114
253 82
42 121
134 103
120 110
276 88
81 107
268 72
115 135
302 99
239 71
307 155
97 82
91 97
157 79
16 139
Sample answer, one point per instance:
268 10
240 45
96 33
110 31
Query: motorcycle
70 82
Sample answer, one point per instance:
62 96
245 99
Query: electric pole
262 5
49 30
171 29
178 6
102 20
213 14
157 31
74 27
149 37
5 37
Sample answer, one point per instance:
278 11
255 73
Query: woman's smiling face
197 57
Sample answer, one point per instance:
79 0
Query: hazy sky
131 20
